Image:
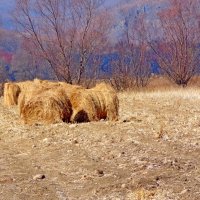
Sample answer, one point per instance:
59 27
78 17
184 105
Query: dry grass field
151 153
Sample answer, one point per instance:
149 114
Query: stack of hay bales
46 102
100 102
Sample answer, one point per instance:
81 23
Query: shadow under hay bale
51 106
1 89
81 116
11 93
100 102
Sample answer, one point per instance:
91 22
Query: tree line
70 37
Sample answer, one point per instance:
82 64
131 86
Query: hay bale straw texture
11 93
25 85
26 89
26 95
100 102
31 89
70 89
50 106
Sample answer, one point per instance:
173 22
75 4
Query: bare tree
62 32
177 48
93 26
27 66
132 68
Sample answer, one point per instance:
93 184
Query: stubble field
151 153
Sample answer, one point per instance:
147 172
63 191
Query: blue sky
5 9
5 6
6 3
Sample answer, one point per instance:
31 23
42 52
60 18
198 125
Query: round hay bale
50 106
26 95
34 89
110 100
11 93
100 102
26 88
84 106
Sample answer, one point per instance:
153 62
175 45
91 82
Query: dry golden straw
31 89
70 89
50 106
11 93
100 102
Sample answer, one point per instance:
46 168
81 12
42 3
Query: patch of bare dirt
151 153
